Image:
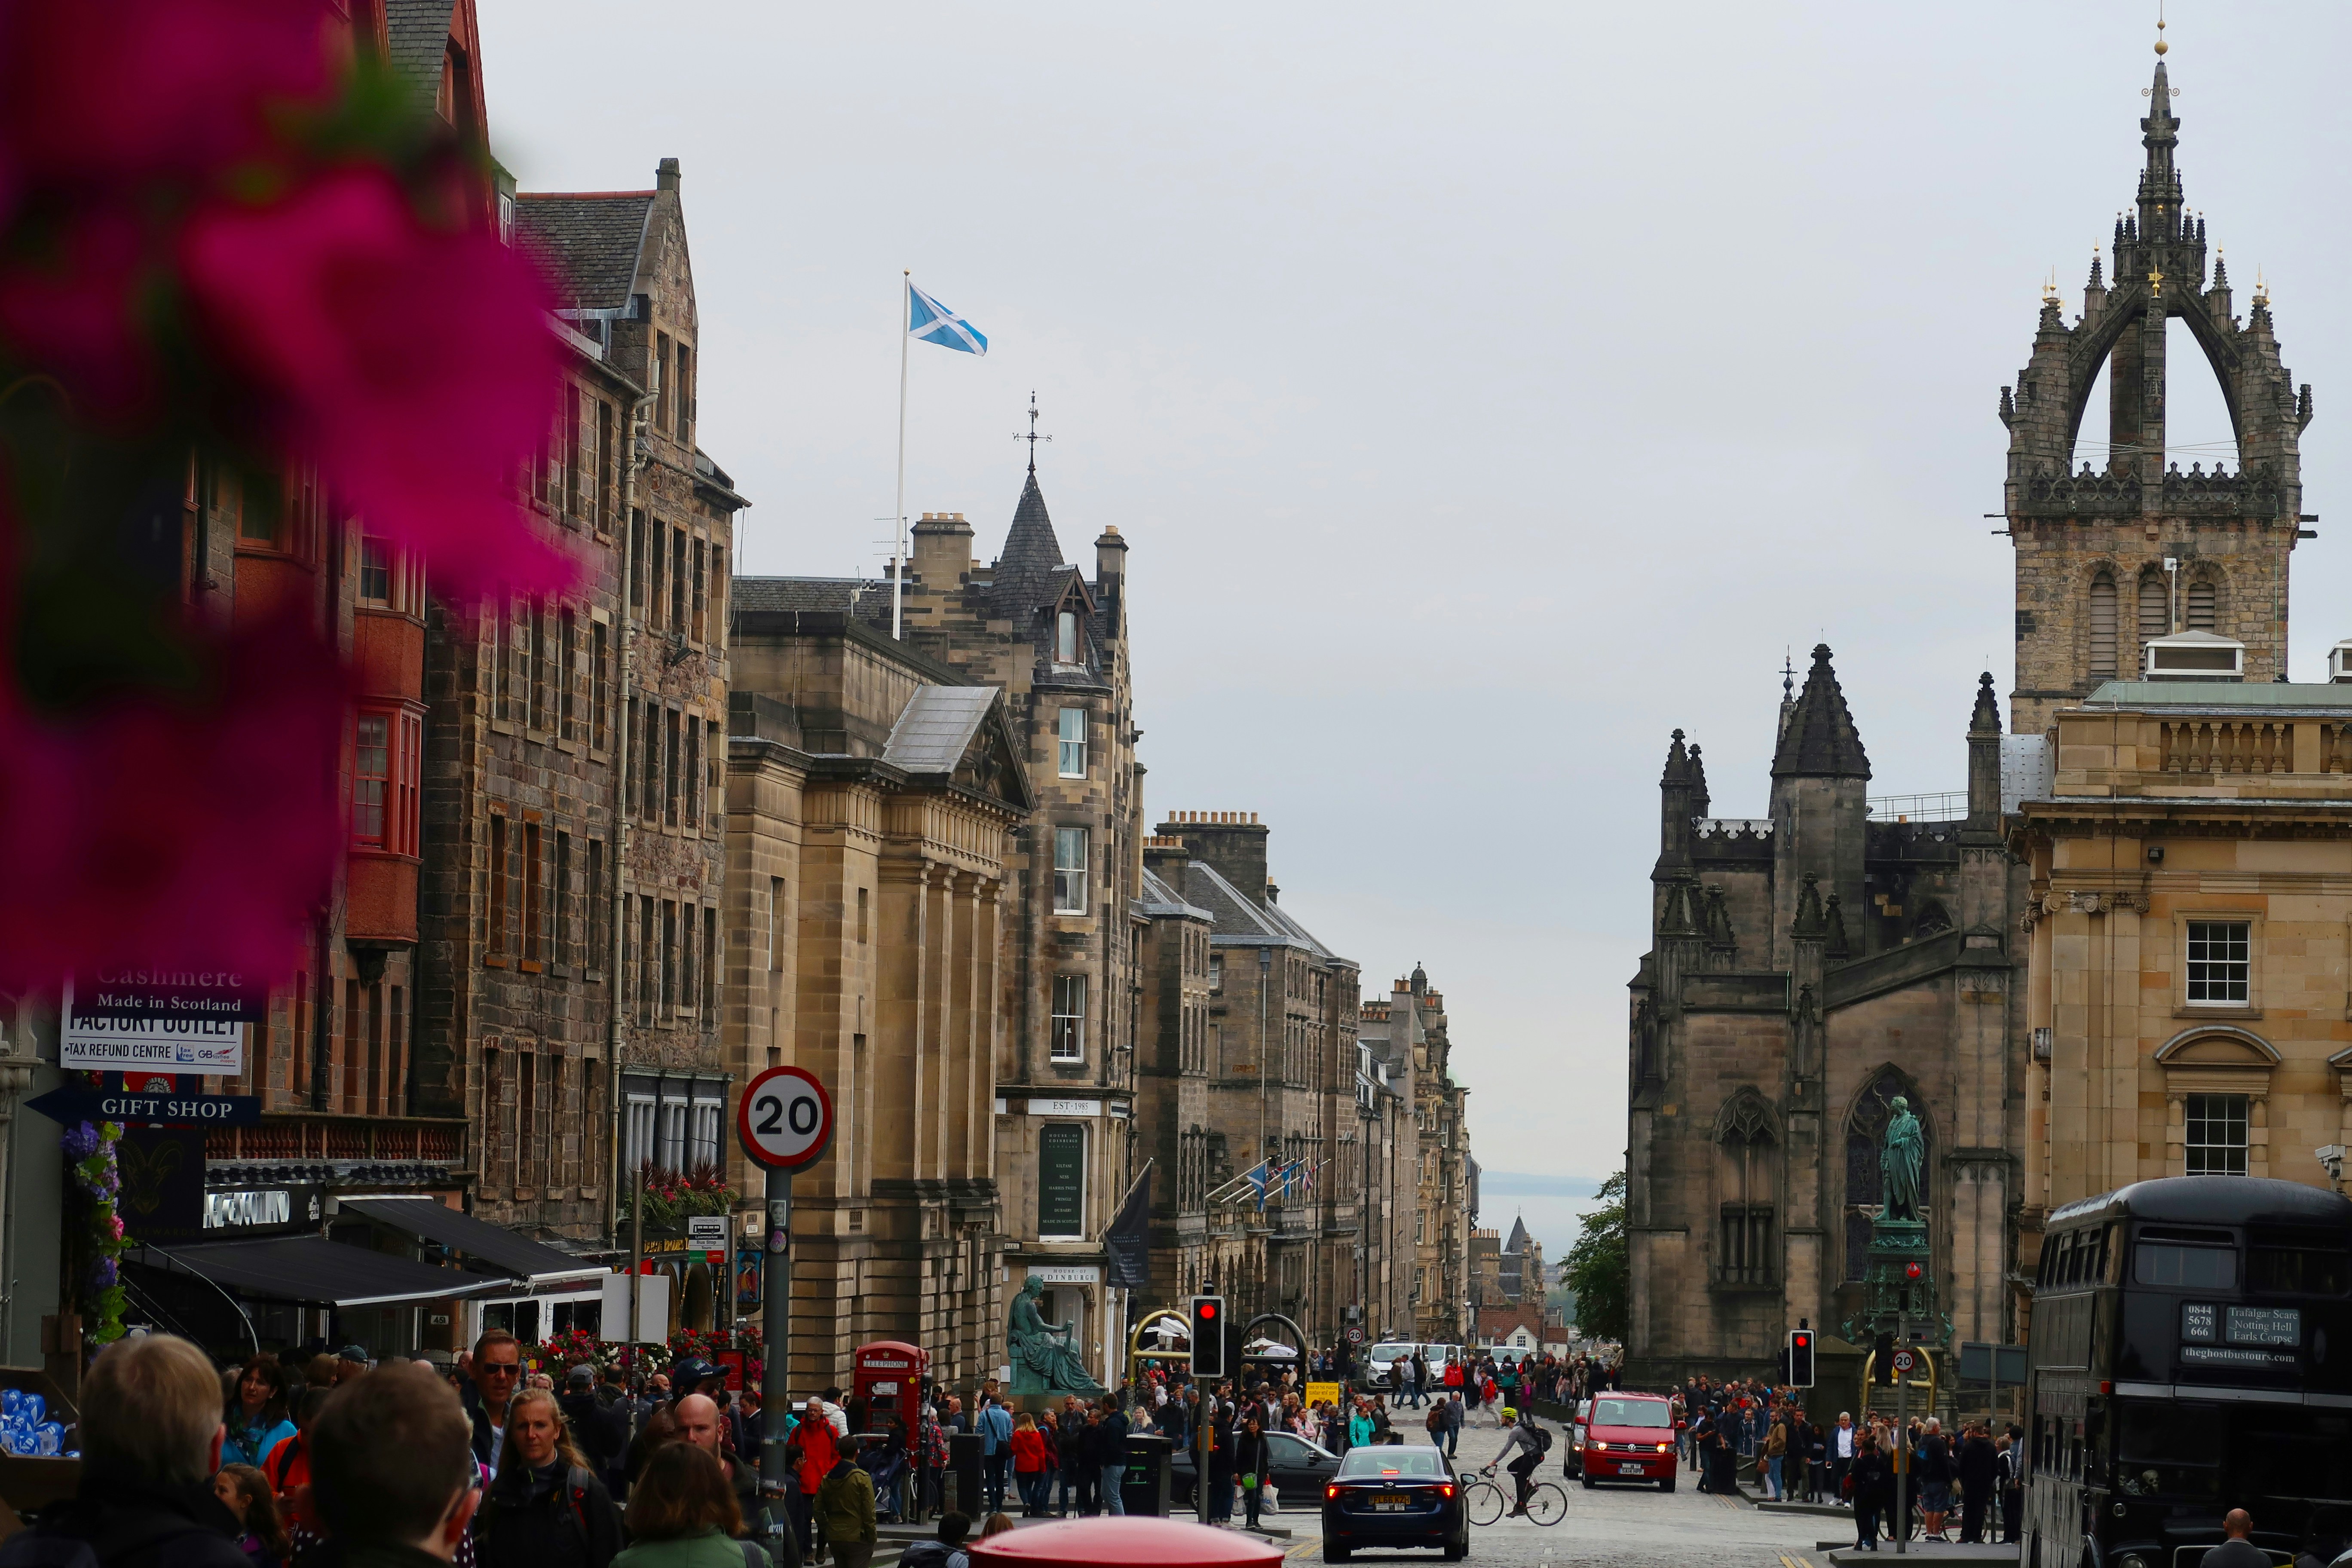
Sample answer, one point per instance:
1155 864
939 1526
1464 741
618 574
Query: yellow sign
1322 1393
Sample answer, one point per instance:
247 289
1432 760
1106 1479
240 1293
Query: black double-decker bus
2190 1353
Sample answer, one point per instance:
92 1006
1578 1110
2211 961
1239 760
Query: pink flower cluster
212 236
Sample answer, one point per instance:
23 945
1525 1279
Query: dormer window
1066 637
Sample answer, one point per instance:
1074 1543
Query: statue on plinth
1044 1356
1901 1160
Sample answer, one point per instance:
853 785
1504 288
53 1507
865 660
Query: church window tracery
1744 1243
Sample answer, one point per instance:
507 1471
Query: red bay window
388 758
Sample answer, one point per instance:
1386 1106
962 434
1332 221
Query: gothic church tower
2091 545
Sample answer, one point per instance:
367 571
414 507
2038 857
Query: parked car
1390 1495
1629 1438
1300 1470
1573 1465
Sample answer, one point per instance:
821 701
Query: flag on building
1125 1244
933 322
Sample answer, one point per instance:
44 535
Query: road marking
1302 1548
1788 1561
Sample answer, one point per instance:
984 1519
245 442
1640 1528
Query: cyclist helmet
1509 1413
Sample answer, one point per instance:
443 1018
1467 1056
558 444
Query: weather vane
1031 436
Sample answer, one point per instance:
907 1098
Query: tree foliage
1596 1267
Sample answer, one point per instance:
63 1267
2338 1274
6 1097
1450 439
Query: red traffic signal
1208 1316
1804 1341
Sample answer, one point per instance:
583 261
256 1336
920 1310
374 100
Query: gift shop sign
174 1023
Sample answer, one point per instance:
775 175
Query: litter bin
964 1495
1144 1488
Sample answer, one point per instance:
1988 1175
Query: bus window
2299 1270
2168 1449
2197 1268
2111 1255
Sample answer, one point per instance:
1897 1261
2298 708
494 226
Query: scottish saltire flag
933 322
1259 1178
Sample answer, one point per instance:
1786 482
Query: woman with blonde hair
545 1506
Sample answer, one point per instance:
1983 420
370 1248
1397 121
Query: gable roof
936 725
866 599
1159 900
1820 740
590 241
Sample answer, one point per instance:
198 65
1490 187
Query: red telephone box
890 1373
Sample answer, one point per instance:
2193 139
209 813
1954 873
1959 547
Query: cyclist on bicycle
1529 1440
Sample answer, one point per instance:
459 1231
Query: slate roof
1161 900
1820 740
867 599
936 725
1029 572
590 241
418 33
1236 918
1518 1242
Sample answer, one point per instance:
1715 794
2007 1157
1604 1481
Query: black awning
313 1269
493 1245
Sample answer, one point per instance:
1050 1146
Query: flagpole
898 513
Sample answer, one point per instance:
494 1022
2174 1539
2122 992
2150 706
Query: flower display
91 1166
230 240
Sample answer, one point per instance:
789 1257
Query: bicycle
1483 1501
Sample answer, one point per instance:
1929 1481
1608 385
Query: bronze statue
1902 1161
1044 1355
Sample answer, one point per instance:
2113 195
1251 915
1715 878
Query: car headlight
2131 1560
1665 1447
1599 1447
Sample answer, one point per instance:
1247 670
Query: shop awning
487 1245
310 1268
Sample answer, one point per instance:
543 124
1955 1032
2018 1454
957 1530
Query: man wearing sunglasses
497 1373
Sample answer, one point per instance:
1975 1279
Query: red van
1629 1438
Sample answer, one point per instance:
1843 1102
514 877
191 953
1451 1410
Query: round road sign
786 1120
1355 1336
1904 1361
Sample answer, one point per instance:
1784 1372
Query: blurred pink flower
105 91
414 363
69 307
203 829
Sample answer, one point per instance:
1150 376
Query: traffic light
1208 1336
1882 1364
1800 1358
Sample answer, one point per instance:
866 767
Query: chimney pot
666 175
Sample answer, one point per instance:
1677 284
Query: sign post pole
1902 1358
784 1123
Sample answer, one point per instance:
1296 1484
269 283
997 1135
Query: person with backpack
1529 1440
845 1513
546 1509
683 1515
151 1438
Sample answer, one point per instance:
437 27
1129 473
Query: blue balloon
36 1407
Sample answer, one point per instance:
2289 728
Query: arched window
2102 627
2155 613
1745 1250
2200 605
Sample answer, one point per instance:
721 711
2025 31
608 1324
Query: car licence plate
1629 1469
1389 1502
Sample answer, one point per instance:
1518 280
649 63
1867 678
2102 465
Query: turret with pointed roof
1821 740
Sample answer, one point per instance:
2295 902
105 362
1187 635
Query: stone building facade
2109 558
871 801
1805 969
1054 644
1390 1041
575 858
2187 839
1445 1207
1268 1072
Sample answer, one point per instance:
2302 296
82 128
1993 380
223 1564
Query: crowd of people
1728 1427
346 1464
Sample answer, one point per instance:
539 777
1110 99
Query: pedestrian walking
996 1428
845 1512
1110 1455
1028 1464
1838 1452
497 1373
1978 1469
245 1491
1253 1463
2011 1453
2236 1550
1874 1489
1454 1414
683 1515
702 1423
1775 1456
545 1506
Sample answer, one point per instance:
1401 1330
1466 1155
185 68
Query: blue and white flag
933 322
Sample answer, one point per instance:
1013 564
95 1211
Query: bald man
701 1423
2236 1551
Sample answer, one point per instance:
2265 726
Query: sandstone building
1257 1063
1805 969
871 802
2188 919
1422 1195
574 860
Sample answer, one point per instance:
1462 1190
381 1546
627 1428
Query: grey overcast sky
1484 391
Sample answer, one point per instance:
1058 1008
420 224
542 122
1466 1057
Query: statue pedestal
1899 1277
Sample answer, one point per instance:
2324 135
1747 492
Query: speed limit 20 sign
786 1120
1904 1361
